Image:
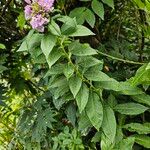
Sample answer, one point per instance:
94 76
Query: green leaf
81 49
88 61
81 31
125 144
105 143
2 68
68 70
69 26
21 20
57 82
130 108
142 140
31 41
84 122
54 56
55 70
71 113
2 46
139 128
61 90
96 75
79 14
75 84
94 110
54 28
142 98
90 17
47 44
98 8
142 75
109 123
109 3
82 97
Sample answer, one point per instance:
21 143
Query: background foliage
83 84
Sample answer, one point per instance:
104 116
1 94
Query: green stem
76 69
119 59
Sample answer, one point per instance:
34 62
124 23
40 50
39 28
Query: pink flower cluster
37 11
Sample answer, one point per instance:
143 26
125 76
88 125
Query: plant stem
119 59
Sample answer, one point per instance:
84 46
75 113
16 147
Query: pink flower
36 11
37 22
46 4
28 12
28 1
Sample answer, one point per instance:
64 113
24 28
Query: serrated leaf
81 49
98 8
139 128
109 3
109 123
47 44
82 97
142 140
81 31
75 84
94 110
130 108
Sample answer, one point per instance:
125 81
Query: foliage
83 83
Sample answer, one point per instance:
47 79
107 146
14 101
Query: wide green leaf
96 75
81 31
68 70
84 122
109 3
79 14
125 144
98 8
54 28
130 108
142 140
2 46
142 75
90 17
47 44
94 110
75 84
82 97
142 98
81 49
109 123
139 128
54 56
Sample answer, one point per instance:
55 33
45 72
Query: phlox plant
92 88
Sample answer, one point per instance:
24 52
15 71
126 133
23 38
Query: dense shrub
75 74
